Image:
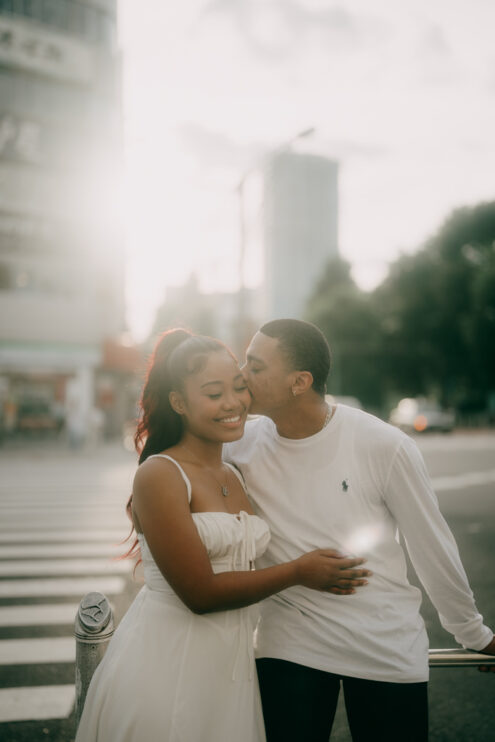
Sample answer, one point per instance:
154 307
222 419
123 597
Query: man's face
267 375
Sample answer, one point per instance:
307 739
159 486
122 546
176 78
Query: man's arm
432 548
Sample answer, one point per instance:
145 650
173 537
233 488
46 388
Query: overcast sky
401 92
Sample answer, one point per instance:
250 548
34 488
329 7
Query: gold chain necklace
329 415
223 487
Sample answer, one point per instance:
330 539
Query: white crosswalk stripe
38 615
60 587
62 531
52 536
16 510
32 651
41 702
85 520
29 567
30 551
466 479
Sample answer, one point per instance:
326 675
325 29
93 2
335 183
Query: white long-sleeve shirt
351 487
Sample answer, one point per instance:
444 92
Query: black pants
299 705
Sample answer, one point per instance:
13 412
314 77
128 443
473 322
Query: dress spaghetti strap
179 467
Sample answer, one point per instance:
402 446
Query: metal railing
459 658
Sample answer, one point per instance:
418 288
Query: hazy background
401 94
215 164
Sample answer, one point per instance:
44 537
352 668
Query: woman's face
216 399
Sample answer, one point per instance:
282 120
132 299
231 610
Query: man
341 478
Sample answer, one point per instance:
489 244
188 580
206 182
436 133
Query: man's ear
302 381
176 402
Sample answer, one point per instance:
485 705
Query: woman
180 665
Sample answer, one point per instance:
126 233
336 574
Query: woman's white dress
170 675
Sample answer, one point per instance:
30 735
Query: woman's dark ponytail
177 354
159 426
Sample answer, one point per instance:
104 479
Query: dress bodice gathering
233 542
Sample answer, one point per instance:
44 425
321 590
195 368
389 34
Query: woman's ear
176 402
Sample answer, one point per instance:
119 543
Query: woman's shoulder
160 471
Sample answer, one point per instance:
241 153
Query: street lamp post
240 189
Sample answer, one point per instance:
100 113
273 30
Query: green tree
436 309
344 314
428 329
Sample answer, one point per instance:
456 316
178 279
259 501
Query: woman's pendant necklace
223 487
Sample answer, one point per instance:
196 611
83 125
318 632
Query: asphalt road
462 701
61 520
67 508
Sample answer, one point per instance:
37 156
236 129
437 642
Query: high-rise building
300 207
61 248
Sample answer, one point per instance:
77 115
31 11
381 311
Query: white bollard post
93 630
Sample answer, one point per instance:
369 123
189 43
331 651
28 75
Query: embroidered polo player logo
345 485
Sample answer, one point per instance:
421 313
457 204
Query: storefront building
61 244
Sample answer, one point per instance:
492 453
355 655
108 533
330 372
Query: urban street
62 516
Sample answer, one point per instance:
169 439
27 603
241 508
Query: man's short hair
304 347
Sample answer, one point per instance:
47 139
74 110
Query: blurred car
349 401
420 415
37 415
